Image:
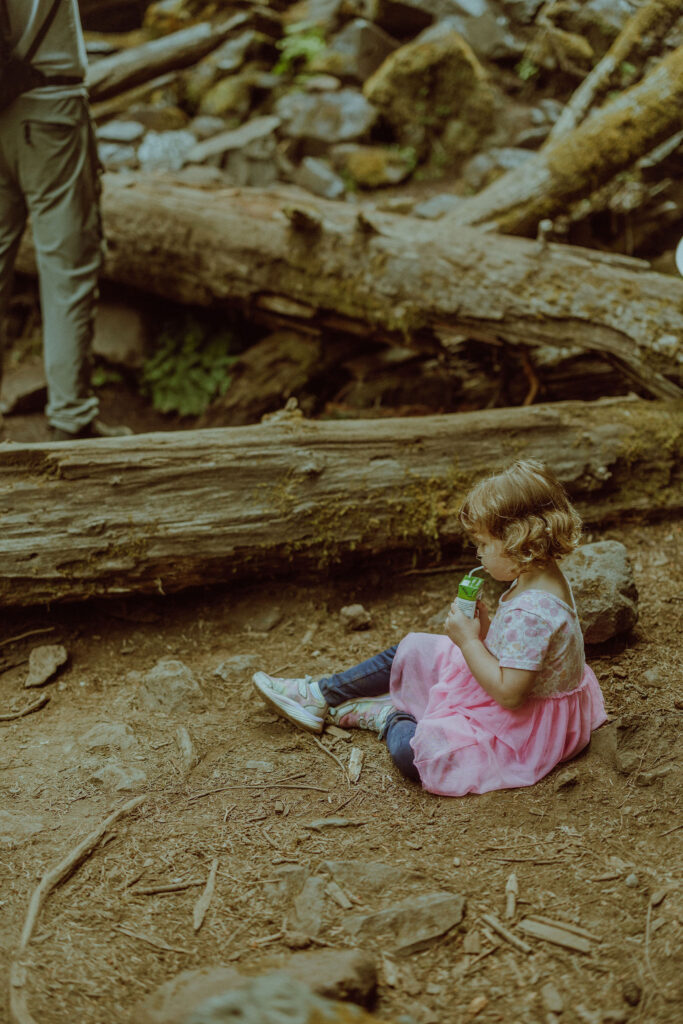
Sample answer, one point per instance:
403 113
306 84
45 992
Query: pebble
456 862
632 881
552 1000
632 992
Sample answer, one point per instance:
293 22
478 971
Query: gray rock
355 617
479 171
355 52
272 999
119 778
120 335
108 736
114 156
43 663
410 922
309 907
24 388
238 665
169 686
437 206
16 827
317 176
330 117
523 11
165 150
322 83
487 34
206 125
606 597
368 876
343 974
120 131
232 54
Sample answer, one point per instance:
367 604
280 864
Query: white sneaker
297 700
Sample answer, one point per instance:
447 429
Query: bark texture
160 512
576 163
326 264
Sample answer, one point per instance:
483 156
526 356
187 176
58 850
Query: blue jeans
371 679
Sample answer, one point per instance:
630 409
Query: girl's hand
460 628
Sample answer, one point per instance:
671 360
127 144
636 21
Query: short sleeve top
541 633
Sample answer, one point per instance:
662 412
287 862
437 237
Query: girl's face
491 554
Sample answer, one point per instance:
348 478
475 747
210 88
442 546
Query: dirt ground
596 843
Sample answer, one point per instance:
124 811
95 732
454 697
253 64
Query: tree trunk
129 68
574 165
328 265
160 512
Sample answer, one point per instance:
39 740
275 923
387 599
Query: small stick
22 636
155 890
256 785
202 904
481 956
151 941
42 700
266 939
506 934
271 841
670 830
330 754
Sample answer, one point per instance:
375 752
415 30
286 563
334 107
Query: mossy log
329 266
575 164
649 24
161 512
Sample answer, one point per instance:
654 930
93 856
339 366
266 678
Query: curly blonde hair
527 508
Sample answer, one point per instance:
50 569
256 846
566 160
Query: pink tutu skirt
465 742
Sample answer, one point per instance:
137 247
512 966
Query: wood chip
202 904
320 823
511 894
556 934
567 926
355 765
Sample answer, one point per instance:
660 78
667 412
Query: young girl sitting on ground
496 703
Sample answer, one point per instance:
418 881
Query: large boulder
433 91
328 974
606 596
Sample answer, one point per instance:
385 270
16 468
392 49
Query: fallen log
331 266
578 162
652 21
161 512
124 70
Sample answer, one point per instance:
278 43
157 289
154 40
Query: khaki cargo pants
49 170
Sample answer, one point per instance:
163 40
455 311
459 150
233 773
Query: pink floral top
539 632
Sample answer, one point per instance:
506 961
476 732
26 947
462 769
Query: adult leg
59 178
369 679
12 217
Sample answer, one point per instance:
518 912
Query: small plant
189 368
103 375
526 69
302 42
